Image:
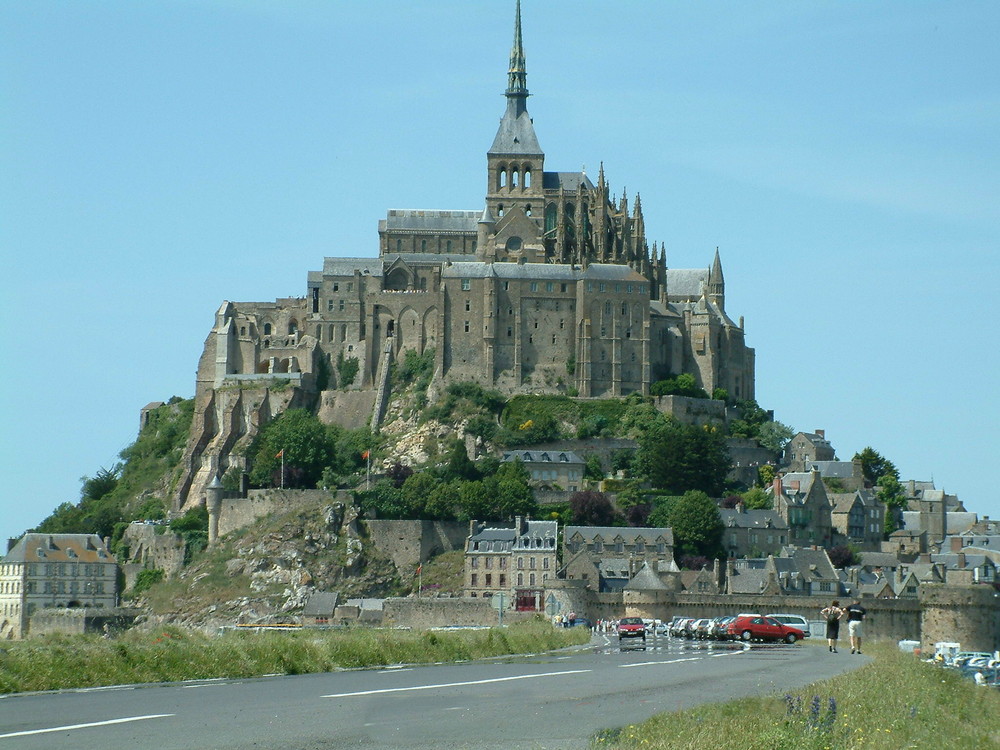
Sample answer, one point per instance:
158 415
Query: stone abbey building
549 286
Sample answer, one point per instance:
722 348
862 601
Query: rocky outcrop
269 571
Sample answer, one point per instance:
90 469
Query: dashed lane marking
83 726
457 684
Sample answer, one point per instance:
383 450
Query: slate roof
628 533
613 567
34 548
430 221
543 457
568 181
752 519
834 469
879 560
646 580
612 272
347 266
516 136
686 282
747 581
321 604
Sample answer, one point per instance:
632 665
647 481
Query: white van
796 621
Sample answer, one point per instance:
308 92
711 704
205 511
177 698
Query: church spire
517 75
516 135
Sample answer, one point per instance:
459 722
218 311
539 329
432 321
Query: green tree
347 370
459 465
765 475
696 523
384 500
875 466
890 492
592 468
301 440
416 491
444 501
679 457
756 498
774 436
680 385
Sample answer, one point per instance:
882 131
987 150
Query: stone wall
692 410
149 549
425 613
969 615
240 512
348 409
79 621
409 543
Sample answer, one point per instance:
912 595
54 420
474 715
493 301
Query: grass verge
61 662
896 701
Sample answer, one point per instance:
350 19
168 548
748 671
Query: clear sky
157 158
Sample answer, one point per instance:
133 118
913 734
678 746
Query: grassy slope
896 701
58 662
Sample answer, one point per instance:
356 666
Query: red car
631 627
757 628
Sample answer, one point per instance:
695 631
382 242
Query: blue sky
157 158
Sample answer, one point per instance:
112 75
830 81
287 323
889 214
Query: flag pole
282 468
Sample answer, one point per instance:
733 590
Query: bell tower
515 161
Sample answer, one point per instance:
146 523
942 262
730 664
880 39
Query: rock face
267 573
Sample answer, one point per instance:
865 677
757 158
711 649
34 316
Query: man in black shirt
855 614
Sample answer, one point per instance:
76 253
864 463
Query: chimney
821 433
777 485
518 525
956 544
961 560
473 523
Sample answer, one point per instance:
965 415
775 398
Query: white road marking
394 670
457 708
105 688
83 726
457 684
649 663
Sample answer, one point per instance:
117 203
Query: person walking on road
832 615
855 614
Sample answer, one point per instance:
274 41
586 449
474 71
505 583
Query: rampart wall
432 613
409 543
239 512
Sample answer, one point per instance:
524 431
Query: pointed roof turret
716 283
516 134
487 217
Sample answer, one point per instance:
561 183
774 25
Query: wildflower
814 712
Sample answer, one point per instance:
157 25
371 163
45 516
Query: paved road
549 701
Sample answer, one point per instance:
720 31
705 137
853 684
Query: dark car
631 627
757 628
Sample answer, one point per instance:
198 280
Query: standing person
832 615
855 614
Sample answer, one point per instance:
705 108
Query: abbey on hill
551 286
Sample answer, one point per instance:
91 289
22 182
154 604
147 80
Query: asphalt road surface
556 700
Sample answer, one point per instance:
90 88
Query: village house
606 557
514 561
858 519
551 469
752 533
54 570
806 447
802 502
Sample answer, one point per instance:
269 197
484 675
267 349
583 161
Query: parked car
631 627
796 621
763 629
678 626
717 629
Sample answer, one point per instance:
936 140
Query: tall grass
59 662
894 702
